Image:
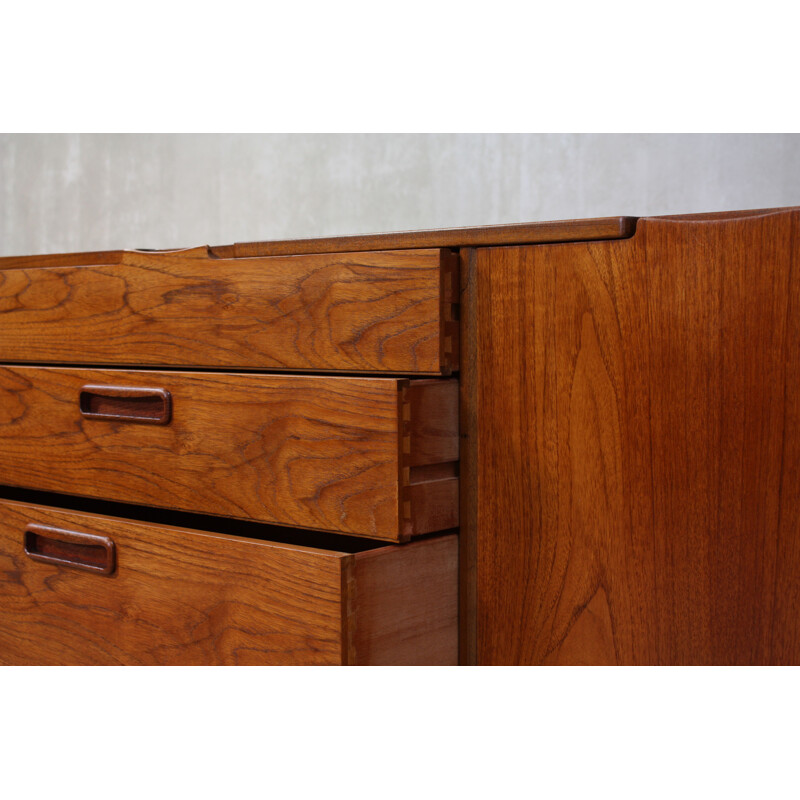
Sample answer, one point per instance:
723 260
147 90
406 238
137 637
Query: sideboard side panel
638 446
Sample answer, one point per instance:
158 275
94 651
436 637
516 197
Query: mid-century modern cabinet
555 443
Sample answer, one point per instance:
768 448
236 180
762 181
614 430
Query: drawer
348 312
372 457
79 588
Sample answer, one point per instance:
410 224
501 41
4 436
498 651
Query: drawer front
178 596
348 312
366 456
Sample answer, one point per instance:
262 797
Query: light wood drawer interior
180 596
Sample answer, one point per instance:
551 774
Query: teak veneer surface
188 597
347 312
638 446
351 455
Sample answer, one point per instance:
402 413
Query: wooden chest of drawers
315 392
551 443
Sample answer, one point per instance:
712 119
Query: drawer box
176 596
372 457
348 312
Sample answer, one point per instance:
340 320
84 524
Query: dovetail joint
404 466
450 295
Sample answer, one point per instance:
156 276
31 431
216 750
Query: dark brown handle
71 549
126 404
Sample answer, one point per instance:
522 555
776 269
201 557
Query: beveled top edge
517 233
481 236
84 259
575 230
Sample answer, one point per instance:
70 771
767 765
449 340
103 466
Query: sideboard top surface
562 231
517 234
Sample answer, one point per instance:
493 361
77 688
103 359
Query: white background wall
95 191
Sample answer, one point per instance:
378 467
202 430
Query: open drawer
387 311
78 588
373 457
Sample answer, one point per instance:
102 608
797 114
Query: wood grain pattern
405 604
186 597
313 452
384 311
177 597
638 422
434 505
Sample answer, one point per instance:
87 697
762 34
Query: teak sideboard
555 443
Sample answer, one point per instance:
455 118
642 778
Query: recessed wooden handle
84 551
126 404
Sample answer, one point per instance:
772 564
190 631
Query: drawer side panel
404 604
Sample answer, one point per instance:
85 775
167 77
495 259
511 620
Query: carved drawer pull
84 551
126 404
